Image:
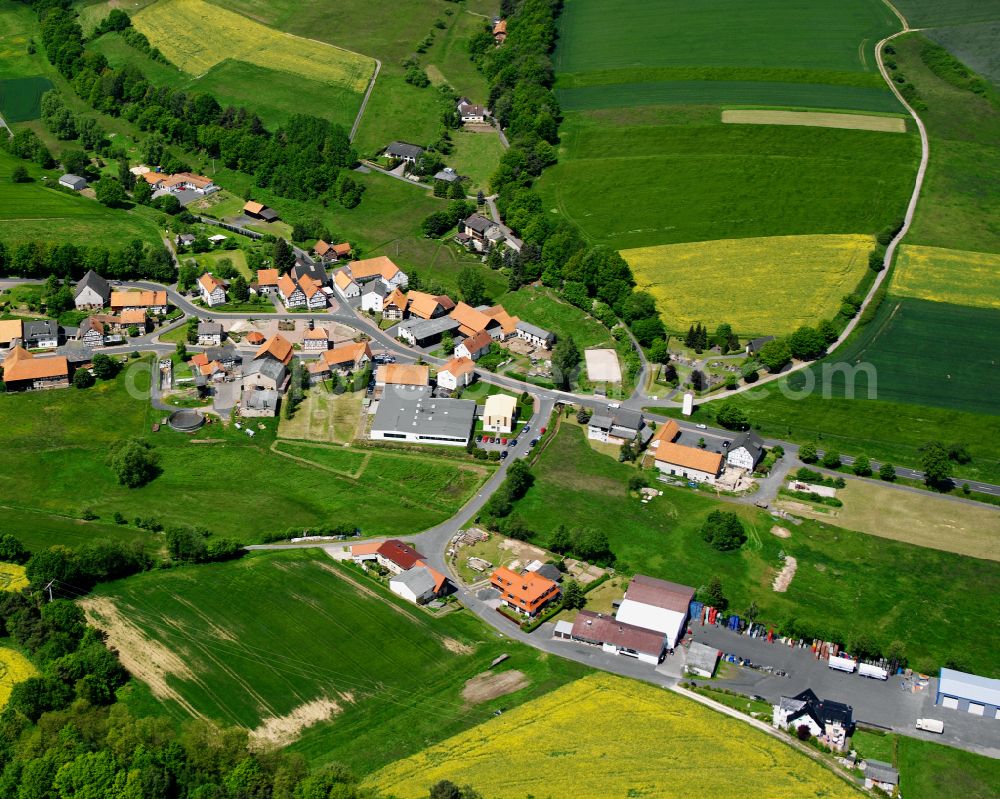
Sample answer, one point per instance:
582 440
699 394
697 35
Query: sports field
759 286
511 756
814 119
33 212
676 174
197 35
67 434
303 651
841 585
954 276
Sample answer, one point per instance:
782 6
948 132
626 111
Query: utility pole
49 589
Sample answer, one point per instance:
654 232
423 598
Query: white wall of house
686 472
350 291
740 458
417 438
371 302
88 298
215 297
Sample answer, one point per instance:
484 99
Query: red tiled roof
399 553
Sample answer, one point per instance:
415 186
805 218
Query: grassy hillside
840 588
623 755
210 479
305 652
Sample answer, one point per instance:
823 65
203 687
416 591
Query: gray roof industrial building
411 413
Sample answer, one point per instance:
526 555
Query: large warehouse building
411 413
977 695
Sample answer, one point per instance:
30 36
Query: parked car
533 442
503 442
527 427
504 454
512 443
726 444
542 431
703 427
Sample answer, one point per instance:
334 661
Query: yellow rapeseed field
605 737
12 577
768 285
960 277
196 36
14 668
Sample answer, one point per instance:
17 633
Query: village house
829 722
656 605
91 332
419 584
41 334
537 336
181 181
74 182
410 413
618 637
152 302
470 112
410 575
227 356
348 357
457 373
133 317
373 296
267 281
302 293
499 413
753 346
332 253
313 270
482 233
265 374
401 151
378 268
23 371
691 463
402 374
448 175
315 339
276 348
746 451
394 306
92 292
345 286
472 321
475 346
508 324
260 211
617 426
11 331
184 239
213 290
259 403
667 433
428 306
210 334
525 593
500 31
425 332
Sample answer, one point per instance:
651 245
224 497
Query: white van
930 725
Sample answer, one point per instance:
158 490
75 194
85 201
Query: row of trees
302 160
133 261
937 462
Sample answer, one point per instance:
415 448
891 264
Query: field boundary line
306 462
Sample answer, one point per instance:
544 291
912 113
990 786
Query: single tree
775 355
936 465
831 460
723 530
862 466
573 596
471 286
239 289
808 452
104 367
887 472
715 595
562 540
20 174
83 378
565 359
110 192
732 417
133 462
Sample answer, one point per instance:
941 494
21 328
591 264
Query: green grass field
840 586
66 434
725 92
21 98
678 174
476 156
934 13
33 212
929 770
770 33
373 679
960 200
541 307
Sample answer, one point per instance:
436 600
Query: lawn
614 753
948 276
209 260
543 308
960 200
180 28
734 280
476 157
841 587
359 678
34 212
917 517
450 54
325 416
21 98
676 174
67 433
928 770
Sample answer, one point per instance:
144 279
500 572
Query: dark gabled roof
824 710
400 149
595 627
223 354
550 571
881 771
269 367
753 442
209 329
94 281
313 270
479 223
757 343
534 330
41 327
268 214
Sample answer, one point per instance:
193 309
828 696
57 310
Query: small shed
74 182
564 629
881 775
702 660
